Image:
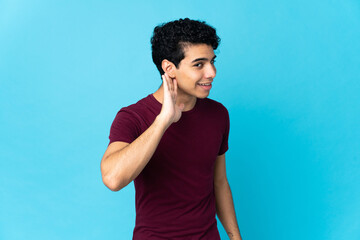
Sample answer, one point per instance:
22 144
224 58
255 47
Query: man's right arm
123 162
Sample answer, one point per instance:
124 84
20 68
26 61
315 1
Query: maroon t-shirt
175 191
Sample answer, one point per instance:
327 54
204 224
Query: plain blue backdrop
288 72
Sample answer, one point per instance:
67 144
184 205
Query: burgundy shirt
175 191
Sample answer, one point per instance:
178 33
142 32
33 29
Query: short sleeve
125 127
224 144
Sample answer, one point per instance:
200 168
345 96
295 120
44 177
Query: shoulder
141 113
214 106
136 106
216 113
143 106
129 122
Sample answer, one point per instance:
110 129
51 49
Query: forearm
123 166
225 210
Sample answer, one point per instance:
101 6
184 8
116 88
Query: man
172 143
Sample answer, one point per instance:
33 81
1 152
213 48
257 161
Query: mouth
205 86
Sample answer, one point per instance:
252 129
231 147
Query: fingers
175 87
165 83
169 83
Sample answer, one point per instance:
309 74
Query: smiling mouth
204 84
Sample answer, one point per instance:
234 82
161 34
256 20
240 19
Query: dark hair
170 39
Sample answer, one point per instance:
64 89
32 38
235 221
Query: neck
188 101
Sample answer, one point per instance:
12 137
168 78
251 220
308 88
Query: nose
210 72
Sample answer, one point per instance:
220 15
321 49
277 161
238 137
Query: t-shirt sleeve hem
223 151
120 140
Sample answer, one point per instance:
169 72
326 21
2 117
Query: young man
172 143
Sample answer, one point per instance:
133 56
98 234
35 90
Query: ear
168 67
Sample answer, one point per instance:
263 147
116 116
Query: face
196 71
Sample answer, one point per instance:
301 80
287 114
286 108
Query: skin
197 67
224 201
123 162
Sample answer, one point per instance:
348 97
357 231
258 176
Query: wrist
162 122
233 236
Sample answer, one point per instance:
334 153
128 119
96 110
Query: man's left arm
224 201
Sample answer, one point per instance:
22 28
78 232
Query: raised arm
123 162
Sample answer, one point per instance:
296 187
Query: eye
198 65
213 61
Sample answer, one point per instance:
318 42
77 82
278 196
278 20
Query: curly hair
170 39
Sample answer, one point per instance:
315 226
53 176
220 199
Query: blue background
288 72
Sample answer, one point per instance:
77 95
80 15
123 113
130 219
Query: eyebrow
202 59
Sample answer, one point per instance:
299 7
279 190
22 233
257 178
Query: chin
202 96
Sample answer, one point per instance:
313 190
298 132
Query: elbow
115 181
111 185
114 184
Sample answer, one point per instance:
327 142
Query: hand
170 111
